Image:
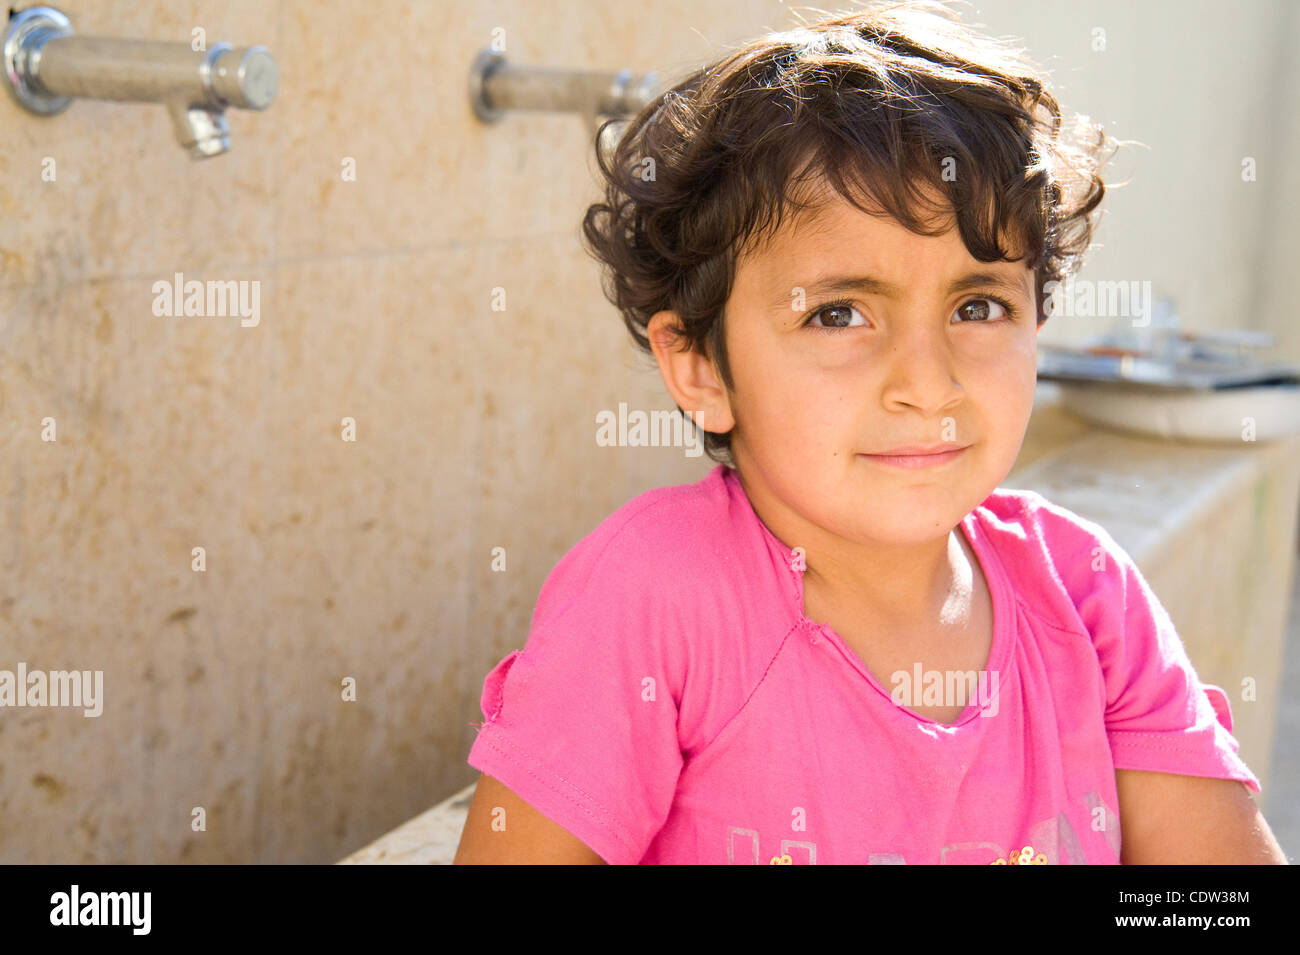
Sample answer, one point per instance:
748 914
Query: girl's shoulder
663 547
1059 562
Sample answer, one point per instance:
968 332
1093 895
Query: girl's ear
690 377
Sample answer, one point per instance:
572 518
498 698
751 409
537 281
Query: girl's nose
921 371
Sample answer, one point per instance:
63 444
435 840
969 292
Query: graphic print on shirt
1051 841
1025 856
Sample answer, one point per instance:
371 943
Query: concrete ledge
430 838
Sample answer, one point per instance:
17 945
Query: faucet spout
46 66
201 129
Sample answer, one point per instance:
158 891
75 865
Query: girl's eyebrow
873 286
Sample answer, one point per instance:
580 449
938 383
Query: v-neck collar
1000 597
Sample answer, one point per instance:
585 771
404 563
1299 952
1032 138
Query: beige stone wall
325 558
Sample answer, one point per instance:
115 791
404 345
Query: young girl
846 644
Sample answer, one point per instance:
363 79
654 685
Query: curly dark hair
889 99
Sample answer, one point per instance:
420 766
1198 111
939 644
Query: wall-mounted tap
46 66
497 86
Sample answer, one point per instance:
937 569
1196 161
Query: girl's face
928 354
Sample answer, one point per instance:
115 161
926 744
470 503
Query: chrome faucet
46 66
497 86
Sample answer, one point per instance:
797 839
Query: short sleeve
1160 717
582 722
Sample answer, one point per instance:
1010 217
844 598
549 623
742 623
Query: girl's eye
838 315
981 311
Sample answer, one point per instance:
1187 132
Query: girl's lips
915 460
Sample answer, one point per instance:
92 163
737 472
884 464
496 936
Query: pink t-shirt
672 703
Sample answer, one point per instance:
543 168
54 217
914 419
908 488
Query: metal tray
1197 371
